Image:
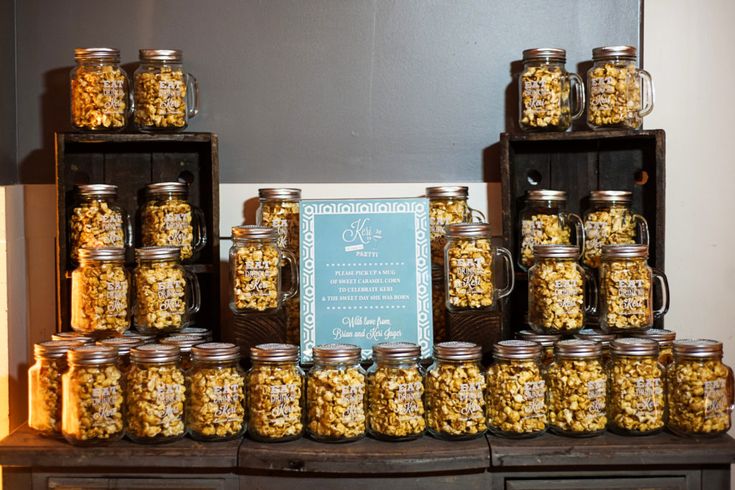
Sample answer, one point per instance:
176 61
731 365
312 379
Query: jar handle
289 257
200 230
578 229
730 390
476 216
648 95
510 279
192 88
642 229
660 277
577 88
127 230
589 281
196 295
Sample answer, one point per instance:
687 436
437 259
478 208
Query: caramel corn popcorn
216 403
155 402
615 96
160 98
556 296
544 98
577 396
99 98
93 403
470 274
94 224
275 393
541 229
455 399
168 223
516 398
335 400
255 277
395 400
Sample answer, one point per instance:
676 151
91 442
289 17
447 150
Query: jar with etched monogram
610 221
396 392
455 392
96 220
665 339
550 97
620 94
544 221
700 389
276 393
637 387
169 220
626 289
93 403
470 268
547 341
336 394
516 390
447 205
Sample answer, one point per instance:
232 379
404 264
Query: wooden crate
580 162
131 161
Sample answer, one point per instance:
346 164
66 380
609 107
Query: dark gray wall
8 167
319 90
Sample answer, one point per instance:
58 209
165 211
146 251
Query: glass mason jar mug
610 221
276 393
166 97
626 289
620 94
447 206
169 220
100 91
97 221
516 390
550 97
255 267
545 222
100 293
470 268
166 294
396 392
557 302
701 392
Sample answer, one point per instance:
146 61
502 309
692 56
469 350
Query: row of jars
619 94
164 97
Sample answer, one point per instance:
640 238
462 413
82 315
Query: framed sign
365 273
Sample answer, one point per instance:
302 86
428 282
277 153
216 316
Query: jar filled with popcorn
602 338
577 389
547 341
336 394
665 339
700 392
184 343
215 409
166 294
455 392
155 395
620 94
44 385
100 91
96 220
276 393
166 97
516 390
123 346
447 206
557 302
167 219
610 221
637 388
93 402
470 268
550 97
626 289
544 221
396 392
255 269
100 293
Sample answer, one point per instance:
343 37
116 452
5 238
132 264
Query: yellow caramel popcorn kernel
94 224
255 276
613 226
93 403
699 396
100 299
625 286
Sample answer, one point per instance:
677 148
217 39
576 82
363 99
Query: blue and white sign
365 273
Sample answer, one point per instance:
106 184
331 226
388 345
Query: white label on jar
596 234
171 294
567 293
117 297
471 271
535 394
715 398
602 97
114 94
170 92
226 399
632 294
470 394
105 403
647 391
597 391
282 398
351 397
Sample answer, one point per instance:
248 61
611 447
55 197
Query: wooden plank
602 483
481 327
251 329
465 481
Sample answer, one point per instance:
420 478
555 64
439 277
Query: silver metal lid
578 348
78 337
196 331
610 52
144 338
555 251
468 230
55 349
155 353
458 191
97 190
457 351
699 348
172 55
104 254
283 193
337 353
254 232
632 346
665 338
545 339
517 349
274 352
624 252
596 336
546 195
93 54
396 351
543 54
215 351
167 188
183 342
611 196
158 253
92 355
122 344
